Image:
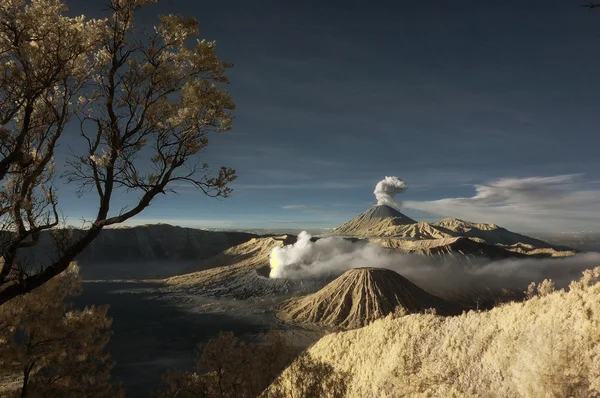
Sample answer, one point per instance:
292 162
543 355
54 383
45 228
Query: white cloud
334 255
563 202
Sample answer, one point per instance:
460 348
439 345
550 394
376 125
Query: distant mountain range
393 229
117 252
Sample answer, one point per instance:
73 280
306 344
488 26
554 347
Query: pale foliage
51 350
146 102
547 346
44 62
399 312
543 288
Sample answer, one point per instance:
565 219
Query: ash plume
386 189
332 255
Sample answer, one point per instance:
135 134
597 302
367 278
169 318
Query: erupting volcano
373 222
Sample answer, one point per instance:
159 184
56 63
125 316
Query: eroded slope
358 297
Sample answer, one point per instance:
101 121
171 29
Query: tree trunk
26 373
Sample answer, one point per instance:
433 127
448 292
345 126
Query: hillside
358 297
242 272
493 234
544 347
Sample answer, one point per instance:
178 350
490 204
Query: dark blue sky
334 95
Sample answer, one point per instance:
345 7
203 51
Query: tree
543 288
308 377
50 350
145 101
228 368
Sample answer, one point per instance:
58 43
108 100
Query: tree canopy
144 102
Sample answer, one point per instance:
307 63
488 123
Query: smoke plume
332 256
386 189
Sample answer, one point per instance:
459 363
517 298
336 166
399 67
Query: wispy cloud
362 205
295 207
309 185
562 202
274 153
317 210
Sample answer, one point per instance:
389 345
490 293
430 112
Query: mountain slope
420 230
373 221
448 247
496 235
358 297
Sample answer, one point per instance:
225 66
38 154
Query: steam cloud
386 189
333 256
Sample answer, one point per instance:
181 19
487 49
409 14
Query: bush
229 368
48 349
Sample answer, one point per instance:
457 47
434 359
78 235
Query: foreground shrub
48 349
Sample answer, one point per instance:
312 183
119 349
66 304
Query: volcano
360 296
374 222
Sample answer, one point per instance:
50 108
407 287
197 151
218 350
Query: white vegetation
547 346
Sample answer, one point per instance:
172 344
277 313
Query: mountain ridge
390 223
